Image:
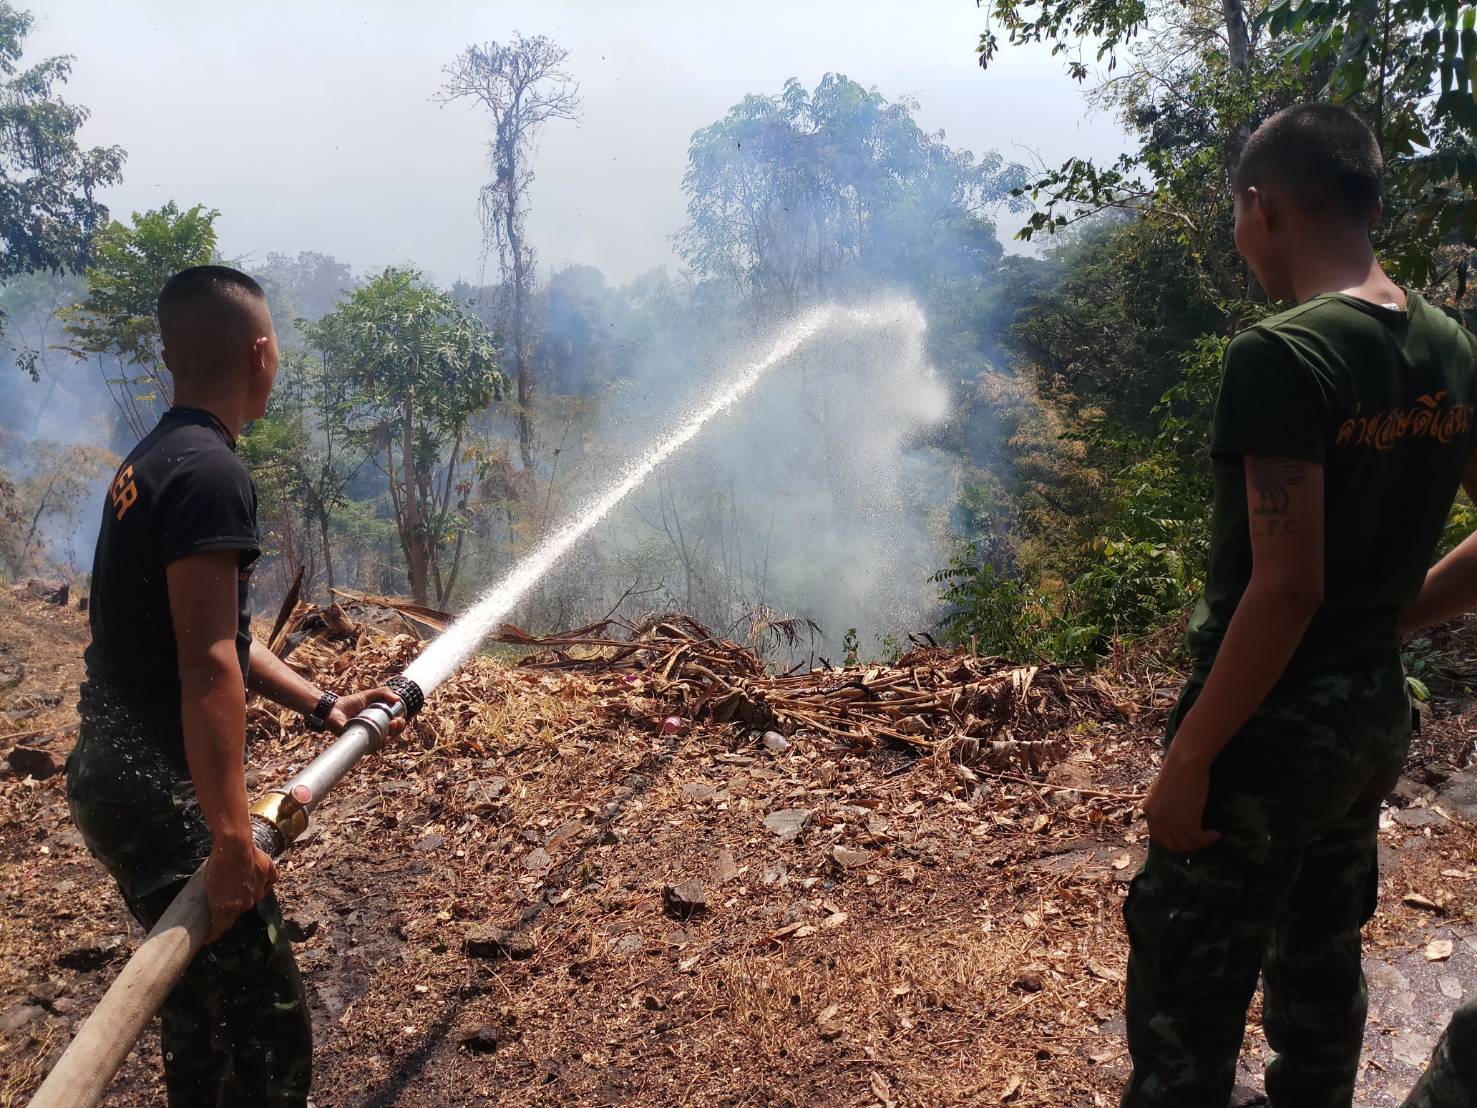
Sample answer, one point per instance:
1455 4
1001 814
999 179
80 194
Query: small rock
18 1015
776 743
698 791
776 875
484 941
431 842
481 1040
28 761
787 823
1451 987
1458 794
1407 790
1438 950
846 859
537 862
686 899
1244 1096
301 932
725 869
1416 817
1029 983
85 959
629 944
63 1005
45 993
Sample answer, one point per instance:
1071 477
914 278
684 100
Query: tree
303 287
414 367
48 183
523 85
1408 66
806 193
116 321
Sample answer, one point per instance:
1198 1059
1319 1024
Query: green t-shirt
1383 400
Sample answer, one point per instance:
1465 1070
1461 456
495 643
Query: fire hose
83 1072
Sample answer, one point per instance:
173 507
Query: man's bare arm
1450 588
1285 502
203 605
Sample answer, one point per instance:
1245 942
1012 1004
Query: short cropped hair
202 284
1322 155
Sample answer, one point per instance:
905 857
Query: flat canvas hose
85 1069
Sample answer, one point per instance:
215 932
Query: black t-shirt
1384 400
182 491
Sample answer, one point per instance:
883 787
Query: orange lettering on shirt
124 492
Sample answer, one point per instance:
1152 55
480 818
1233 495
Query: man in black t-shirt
1343 429
157 781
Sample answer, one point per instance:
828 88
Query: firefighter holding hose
157 782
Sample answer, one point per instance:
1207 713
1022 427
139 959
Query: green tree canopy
116 322
48 183
805 193
415 366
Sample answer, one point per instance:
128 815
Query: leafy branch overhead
1199 77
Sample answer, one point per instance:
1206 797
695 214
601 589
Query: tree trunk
412 531
327 553
522 348
1238 53
1238 36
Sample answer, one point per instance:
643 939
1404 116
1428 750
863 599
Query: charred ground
540 898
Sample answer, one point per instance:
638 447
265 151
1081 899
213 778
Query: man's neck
224 409
1348 266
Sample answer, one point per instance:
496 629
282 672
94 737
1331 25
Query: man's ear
259 349
1378 214
1262 207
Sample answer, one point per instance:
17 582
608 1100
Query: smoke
812 498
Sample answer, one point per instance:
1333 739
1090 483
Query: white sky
310 123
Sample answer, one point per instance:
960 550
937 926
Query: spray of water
459 640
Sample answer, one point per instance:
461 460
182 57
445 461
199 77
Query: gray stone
776 743
685 899
537 862
432 842
18 1015
1458 795
698 792
787 823
1413 1048
725 869
1416 817
846 859
629 944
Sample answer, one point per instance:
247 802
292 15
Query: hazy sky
310 124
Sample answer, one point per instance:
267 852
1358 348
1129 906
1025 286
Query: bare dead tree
523 85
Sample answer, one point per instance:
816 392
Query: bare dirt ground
486 913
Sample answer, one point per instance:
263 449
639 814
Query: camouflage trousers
1283 893
1450 1081
235 1031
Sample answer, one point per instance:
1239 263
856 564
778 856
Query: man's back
181 491
1383 399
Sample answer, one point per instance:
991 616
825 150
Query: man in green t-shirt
1343 430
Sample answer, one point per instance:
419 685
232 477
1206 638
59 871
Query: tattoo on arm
1273 478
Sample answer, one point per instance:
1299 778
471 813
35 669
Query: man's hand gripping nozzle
280 816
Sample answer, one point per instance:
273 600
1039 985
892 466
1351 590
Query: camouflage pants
1450 1081
1296 797
235 1031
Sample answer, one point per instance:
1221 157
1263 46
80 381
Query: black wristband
317 719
